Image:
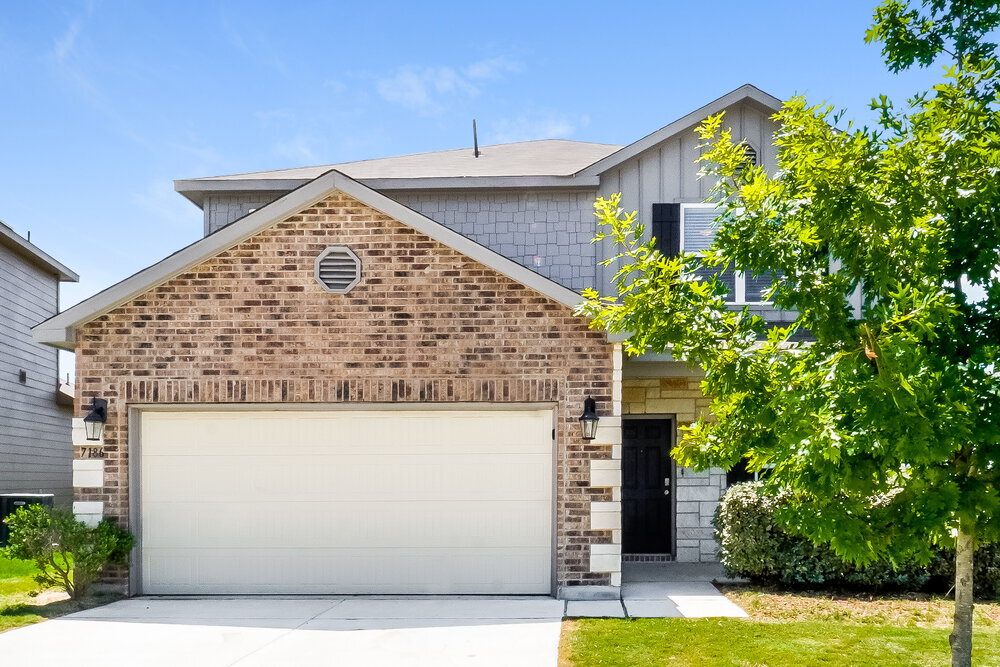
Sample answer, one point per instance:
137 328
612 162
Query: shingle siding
35 445
225 207
425 324
548 231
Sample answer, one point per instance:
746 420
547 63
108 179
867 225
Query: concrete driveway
247 632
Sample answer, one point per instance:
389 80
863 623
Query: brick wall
697 492
425 324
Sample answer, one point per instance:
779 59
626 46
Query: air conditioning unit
10 502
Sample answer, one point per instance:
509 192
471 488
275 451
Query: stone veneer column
607 473
87 474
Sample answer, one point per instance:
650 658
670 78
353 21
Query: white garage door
399 501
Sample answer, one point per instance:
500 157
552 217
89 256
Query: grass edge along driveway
23 601
787 628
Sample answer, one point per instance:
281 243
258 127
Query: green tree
68 553
883 430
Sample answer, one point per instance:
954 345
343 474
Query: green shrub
68 553
753 546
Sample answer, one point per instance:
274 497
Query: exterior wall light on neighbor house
589 419
95 419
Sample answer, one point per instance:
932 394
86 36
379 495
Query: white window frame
739 283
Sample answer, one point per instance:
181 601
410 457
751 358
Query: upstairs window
691 228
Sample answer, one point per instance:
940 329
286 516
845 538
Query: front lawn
18 605
786 629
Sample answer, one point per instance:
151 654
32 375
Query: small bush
68 553
753 546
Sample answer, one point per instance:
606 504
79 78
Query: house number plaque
92 452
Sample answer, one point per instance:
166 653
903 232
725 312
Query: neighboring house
36 409
367 377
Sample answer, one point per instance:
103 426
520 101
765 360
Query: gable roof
544 162
60 330
25 248
547 163
744 92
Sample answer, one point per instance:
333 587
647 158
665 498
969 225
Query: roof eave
36 255
196 190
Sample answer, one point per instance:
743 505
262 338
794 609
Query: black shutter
666 228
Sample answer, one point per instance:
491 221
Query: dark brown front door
646 472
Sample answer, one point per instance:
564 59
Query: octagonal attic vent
338 269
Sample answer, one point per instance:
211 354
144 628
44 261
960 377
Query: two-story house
36 410
368 377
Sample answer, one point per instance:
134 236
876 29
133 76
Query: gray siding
225 207
667 173
35 433
548 231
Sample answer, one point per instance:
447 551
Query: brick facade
425 324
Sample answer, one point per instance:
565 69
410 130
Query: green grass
745 643
17 583
19 601
16 577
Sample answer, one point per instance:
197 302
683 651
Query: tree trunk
961 634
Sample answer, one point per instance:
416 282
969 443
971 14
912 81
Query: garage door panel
483 477
195 525
356 571
366 432
365 502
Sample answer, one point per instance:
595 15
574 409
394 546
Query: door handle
666 486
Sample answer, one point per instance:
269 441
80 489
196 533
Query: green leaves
956 28
882 431
67 552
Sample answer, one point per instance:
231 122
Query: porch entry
647 489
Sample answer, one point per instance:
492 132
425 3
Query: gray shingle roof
547 157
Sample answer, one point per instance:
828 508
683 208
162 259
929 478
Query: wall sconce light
95 419
589 419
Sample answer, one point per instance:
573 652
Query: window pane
699 228
699 232
757 286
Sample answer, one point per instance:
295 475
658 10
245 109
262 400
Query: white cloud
423 89
491 68
429 89
528 126
161 201
64 45
299 148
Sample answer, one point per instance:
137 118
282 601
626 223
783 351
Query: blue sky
107 102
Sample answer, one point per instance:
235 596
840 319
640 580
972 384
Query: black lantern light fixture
95 419
589 419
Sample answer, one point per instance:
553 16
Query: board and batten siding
668 172
35 443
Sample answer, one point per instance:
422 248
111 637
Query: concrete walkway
663 590
346 631
253 632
